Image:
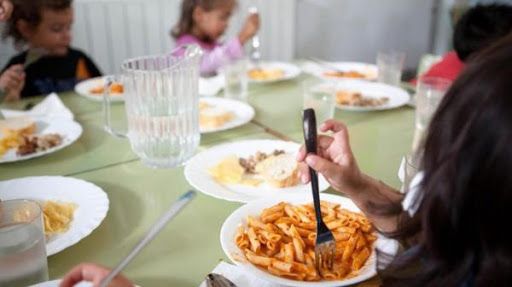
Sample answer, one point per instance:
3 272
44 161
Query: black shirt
55 73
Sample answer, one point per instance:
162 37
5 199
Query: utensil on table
326 65
217 280
175 208
325 245
255 53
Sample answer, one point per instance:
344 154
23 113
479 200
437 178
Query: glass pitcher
161 105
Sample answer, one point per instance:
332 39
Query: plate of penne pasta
274 239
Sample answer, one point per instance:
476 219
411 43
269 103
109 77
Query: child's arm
12 82
231 50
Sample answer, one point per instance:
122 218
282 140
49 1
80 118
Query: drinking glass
429 93
321 98
235 80
161 105
390 65
22 244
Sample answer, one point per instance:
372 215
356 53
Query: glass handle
107 115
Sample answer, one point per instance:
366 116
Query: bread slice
17 126
279 171
213 117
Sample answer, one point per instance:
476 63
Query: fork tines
325 248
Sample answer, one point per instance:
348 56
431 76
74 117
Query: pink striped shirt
215 54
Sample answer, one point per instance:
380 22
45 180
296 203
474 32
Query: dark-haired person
477 29
44 27
455 230
203 22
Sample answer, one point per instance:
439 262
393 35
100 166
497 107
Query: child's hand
12 82
250 28
5 9
92 273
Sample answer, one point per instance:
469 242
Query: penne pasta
281 240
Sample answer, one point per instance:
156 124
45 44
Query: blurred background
349 30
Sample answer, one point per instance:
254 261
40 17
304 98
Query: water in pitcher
22 256
163 137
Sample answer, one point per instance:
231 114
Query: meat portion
31 144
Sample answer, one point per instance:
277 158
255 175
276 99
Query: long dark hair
186 22
30 11
459 233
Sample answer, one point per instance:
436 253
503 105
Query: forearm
221 55
379 202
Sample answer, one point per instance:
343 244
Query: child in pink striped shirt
203 22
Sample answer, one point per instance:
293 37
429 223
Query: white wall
113 30
357 29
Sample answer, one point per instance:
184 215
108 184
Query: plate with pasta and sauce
72 208
273 238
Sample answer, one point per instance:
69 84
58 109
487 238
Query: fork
325 245
326 65
255 54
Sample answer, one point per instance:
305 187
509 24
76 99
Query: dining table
189 247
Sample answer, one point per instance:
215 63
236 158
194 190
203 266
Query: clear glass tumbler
429 93
321 98
235 80
22 244
390 65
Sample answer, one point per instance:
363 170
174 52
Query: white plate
92 204
243 112
371 71
290 71
239 216
397 96
83 89
196 171
68 129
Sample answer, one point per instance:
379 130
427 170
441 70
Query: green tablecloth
189 246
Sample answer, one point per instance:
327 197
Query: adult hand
92 273
12 82
334 160
5 10
250 28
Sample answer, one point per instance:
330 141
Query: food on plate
265 74
115 88
57 216
18 126
281 240
13 130
211 116
346 74
278 169
36 143
352 98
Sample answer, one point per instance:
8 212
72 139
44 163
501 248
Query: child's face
214 23
53 33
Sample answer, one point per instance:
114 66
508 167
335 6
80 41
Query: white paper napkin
50 107
238 276
210 87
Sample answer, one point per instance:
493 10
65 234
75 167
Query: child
478 28
203 22
49 64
